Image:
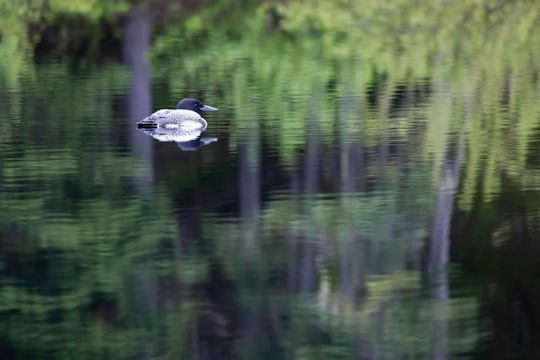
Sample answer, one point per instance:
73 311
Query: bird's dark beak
208 108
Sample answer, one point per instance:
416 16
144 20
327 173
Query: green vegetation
91 268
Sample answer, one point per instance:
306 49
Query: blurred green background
374 193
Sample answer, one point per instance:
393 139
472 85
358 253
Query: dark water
339 214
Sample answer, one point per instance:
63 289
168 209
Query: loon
185 118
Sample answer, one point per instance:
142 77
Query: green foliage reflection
83 275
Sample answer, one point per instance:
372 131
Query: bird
184 119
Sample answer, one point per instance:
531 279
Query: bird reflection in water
186 140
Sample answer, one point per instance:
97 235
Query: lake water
340 214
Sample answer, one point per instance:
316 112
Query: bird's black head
194 105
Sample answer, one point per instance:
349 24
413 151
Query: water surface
341 214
